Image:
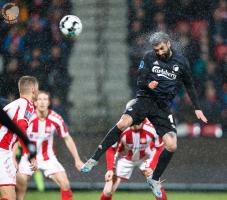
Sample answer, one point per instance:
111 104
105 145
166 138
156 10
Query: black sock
111 137
163 161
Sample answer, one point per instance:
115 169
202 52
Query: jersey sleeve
110 158
62 128
143 80
189 85
23 125
154 161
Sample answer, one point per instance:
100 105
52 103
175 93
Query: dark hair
159 37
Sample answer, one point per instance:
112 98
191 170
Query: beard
165 56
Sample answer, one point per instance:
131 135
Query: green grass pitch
129 195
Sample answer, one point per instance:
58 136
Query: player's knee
124 122
172 147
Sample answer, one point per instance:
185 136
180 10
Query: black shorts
159 115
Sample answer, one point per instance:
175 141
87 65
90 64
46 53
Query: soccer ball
70 26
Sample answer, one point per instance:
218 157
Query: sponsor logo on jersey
156 63
164 73
175 68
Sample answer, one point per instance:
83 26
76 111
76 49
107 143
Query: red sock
66 195
103 197
3 199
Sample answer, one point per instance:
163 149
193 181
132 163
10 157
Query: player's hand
109 175
148 172
33 164
200 115
153 84
78 164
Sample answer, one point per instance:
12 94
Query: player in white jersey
42 128
139 146
20 112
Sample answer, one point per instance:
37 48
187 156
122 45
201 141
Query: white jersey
41 133
20 109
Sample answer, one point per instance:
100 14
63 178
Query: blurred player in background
42 128
139 146
20 112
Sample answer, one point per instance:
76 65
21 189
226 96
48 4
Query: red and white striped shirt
135 145
20 111
42 131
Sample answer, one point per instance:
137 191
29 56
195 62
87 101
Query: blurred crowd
34 46
199 29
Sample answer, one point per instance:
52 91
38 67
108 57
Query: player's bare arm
73 150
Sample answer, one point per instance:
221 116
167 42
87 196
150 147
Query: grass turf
130 195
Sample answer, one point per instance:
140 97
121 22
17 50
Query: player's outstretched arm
73 150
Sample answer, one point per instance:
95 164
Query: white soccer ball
70 26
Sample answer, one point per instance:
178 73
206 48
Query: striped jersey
42 131
138 144
19 111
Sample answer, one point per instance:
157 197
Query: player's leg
166 128
23 175
21 187
170 141
132 115
109 188
8 192
62 180
147 171
7 175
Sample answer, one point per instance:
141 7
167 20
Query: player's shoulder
33 117
150 54
54 115
180 57
14 104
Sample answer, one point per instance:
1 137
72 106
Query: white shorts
7 168
48 167
124 167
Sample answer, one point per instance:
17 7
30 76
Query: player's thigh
22 179
163 121
138 110
124 122
8 169
61 179
8 192
24 166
